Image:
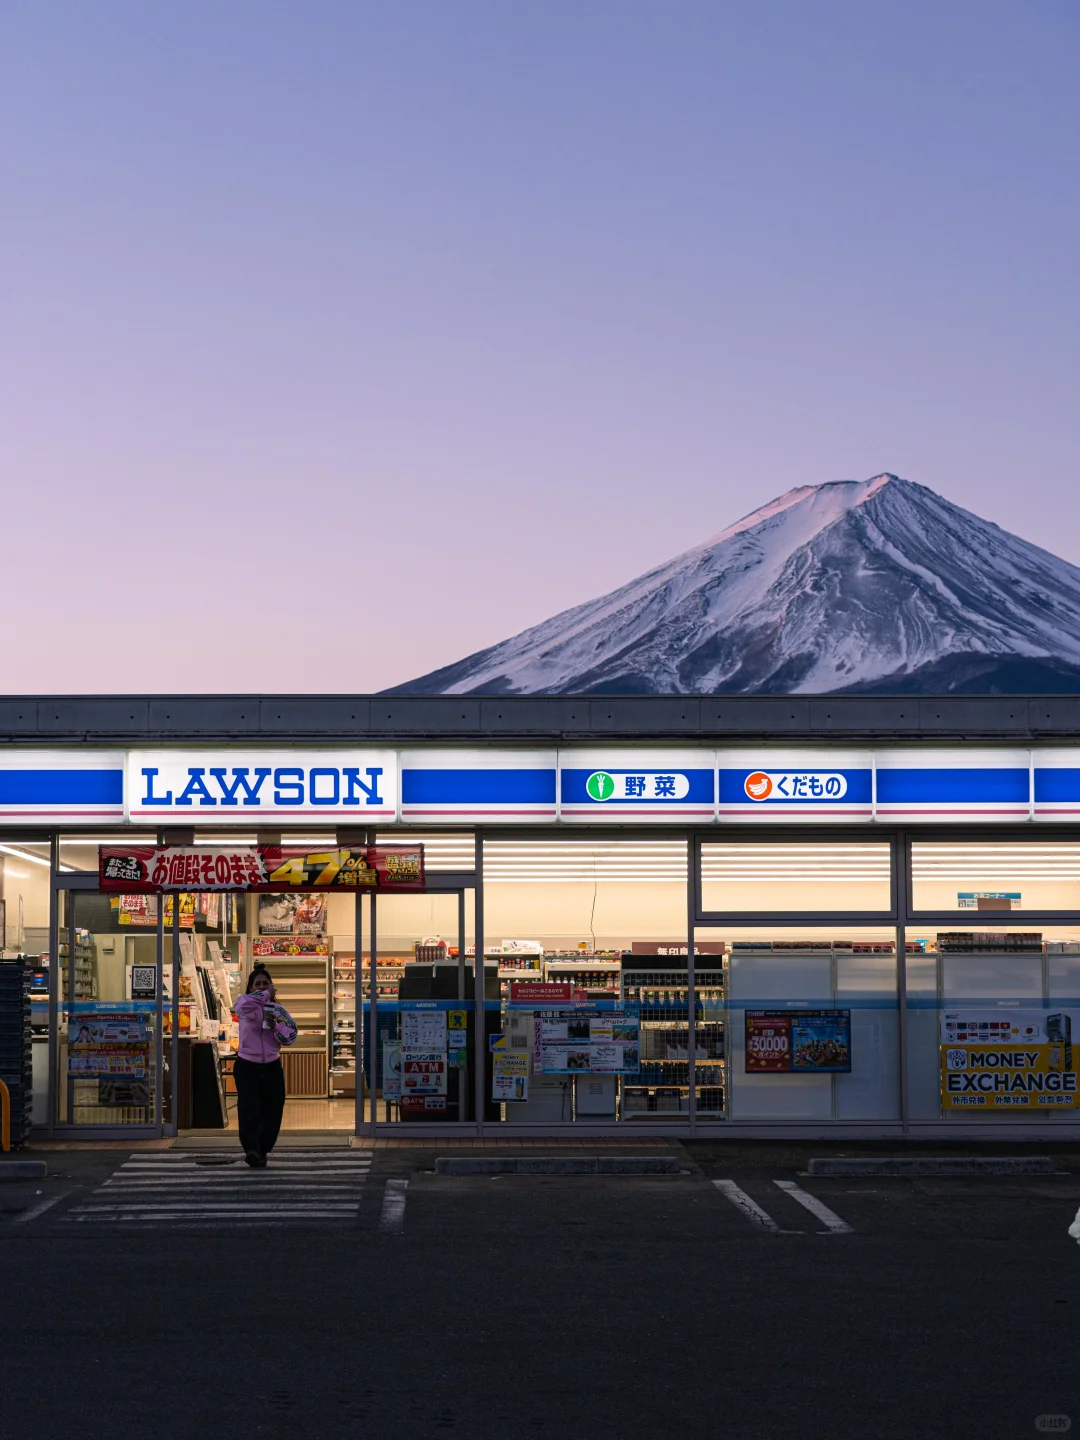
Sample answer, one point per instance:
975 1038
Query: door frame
72 884
367 1123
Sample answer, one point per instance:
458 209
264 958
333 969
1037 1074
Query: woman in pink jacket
260 1081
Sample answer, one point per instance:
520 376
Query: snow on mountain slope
846 586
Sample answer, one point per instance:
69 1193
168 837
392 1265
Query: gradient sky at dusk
341 339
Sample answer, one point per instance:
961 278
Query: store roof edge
547 719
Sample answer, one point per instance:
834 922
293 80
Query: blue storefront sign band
111 1007
222 785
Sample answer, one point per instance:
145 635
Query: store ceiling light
25 855
842 863
996 863
570 862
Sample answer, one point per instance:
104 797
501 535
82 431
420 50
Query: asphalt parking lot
422 1304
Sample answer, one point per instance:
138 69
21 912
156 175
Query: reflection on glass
995 878
757 878
812 1026
589 943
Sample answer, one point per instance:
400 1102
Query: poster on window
510 1077
423 1072
391 1073
106 1039
423 1029
798 1042
589 1040
1008 1060
292 914
143 910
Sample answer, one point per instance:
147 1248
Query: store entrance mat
229 1140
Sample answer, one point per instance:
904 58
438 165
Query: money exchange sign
1008 1060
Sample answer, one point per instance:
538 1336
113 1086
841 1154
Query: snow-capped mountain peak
867 585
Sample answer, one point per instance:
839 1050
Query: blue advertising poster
820 1041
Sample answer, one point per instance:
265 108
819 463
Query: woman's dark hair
259 970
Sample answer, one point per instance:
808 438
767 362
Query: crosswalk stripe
392 1219
179 1191
235 1157
159 1208
829 1218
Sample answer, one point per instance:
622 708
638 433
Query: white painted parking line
750 1208
36 1210
829 1218
392 1219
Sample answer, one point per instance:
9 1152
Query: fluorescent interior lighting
24 855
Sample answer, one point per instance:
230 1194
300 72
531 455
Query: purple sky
341 339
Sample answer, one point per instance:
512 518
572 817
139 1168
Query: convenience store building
763 916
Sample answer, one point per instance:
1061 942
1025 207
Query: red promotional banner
150 869
768 1042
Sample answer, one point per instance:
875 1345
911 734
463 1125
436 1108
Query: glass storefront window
24 930
795 877
107 1060
425 1013
991 1020
812 1025
587 939
24 896
992 877
80 852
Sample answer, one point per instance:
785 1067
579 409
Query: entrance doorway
106 1018
142 1042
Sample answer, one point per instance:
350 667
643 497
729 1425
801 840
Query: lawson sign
224 788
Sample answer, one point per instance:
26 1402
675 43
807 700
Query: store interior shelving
343 1037
661 988
85 978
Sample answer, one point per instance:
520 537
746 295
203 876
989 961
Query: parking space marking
829 1218
750 1208
392 1219
35 1210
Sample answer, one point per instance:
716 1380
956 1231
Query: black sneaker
254 1159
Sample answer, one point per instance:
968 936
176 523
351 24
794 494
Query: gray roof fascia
406 719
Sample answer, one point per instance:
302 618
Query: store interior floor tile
312 1115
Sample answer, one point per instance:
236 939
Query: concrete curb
929 1165
555 1165
23 1170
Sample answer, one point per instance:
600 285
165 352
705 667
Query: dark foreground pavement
513 1306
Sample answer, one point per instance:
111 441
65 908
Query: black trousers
260 1101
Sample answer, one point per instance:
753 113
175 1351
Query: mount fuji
876 586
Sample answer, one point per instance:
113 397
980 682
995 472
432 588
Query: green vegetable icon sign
600 785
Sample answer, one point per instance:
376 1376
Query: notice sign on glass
108 1039
588 1040
798 1042
1008 1060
